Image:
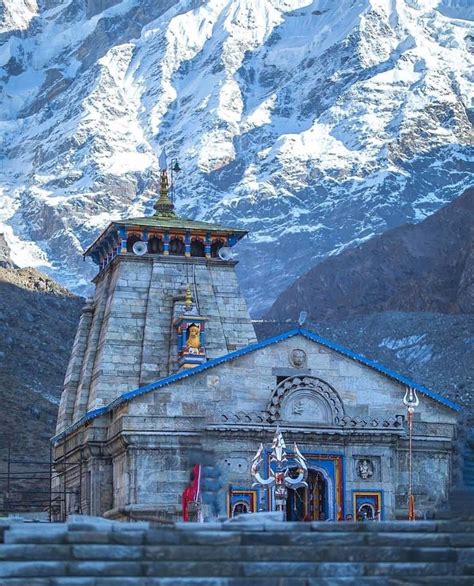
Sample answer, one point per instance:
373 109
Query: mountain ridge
417 267
315 125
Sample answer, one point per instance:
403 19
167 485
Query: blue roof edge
129 395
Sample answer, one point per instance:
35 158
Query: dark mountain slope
38 319
423 267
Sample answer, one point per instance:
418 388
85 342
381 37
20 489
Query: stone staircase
258 551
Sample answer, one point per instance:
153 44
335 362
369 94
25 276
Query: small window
197 247
215 247
176 246
155 245
131 241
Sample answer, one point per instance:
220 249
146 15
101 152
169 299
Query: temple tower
161 278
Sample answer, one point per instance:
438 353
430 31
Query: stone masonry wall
129 339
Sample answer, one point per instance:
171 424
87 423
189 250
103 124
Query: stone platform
96 552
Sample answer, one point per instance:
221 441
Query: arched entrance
308 504
366 512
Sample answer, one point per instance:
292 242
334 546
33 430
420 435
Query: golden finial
188 299
164 206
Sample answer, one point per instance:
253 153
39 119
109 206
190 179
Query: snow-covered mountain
313 124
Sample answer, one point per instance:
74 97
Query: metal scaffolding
40 486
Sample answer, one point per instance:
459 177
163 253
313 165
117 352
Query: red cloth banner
191 492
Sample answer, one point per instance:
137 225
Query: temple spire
164 206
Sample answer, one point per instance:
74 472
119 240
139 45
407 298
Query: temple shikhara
168 397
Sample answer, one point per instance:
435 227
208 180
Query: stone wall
126 338
342 408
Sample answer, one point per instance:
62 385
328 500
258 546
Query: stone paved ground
95 552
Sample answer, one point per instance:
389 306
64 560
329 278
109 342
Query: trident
279 475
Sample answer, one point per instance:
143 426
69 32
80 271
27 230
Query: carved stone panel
367 468
305 406
297 358
306 399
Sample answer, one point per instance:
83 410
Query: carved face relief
297 358
365 469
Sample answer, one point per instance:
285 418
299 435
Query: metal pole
8 468
411 401
80 484
411 498
50 483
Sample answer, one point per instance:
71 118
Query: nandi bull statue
280 473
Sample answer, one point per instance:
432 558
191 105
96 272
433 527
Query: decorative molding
243 417
391 423
310 399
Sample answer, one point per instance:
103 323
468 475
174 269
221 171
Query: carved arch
324 403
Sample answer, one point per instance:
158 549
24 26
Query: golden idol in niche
193 343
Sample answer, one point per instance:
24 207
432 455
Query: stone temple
166 373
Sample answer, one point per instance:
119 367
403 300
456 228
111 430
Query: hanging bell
176 167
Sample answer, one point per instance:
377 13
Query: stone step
440 538
289 581
198 553
250 569
98 553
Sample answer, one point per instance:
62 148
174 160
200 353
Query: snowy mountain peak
313 124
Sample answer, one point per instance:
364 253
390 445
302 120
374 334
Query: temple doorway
308 504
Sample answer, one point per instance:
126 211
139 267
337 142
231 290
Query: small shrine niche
191 335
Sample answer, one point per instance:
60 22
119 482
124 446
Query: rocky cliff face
424 267
38 319
314 124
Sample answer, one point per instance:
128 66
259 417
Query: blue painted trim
247 350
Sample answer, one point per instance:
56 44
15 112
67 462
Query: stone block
408 539
162 537
128 537
31 582
106 552
192 569
266 569
461 539
466 556
45 533
28 552
92 537
411 569
104 568
74 581
34 569
120 581
313 539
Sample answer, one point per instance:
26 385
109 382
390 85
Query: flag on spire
163 160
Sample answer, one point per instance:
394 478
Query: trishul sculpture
280 473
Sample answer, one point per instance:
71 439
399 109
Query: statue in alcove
193 343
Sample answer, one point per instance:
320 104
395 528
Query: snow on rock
409 349
313 124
